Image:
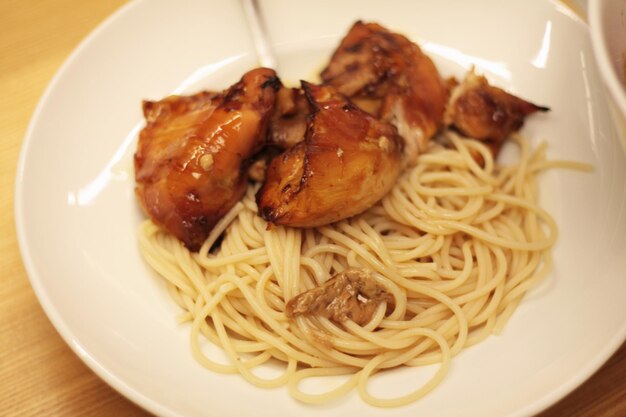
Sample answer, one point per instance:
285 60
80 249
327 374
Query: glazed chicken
191 159
288 122
486 113
286 128
343 143
387 75
347 161
349 295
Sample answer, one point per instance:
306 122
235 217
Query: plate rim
59 324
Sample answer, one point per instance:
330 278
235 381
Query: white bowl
607 25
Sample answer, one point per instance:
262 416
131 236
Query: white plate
76 214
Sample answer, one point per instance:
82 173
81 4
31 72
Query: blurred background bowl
607 25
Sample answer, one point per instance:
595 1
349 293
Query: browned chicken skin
286 128
389 76
486 113
190 164
347 161
349 295
288 122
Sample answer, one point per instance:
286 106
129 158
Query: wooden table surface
39 374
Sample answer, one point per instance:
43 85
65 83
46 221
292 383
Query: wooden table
39 374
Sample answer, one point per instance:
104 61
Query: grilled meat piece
288 122
489 114
346 163
390 77
191 159
349 295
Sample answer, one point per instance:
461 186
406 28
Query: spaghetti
457 245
